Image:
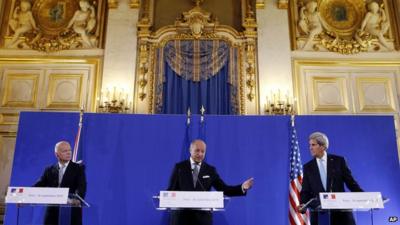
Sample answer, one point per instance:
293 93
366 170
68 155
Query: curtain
196 73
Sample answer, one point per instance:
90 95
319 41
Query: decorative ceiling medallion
53 25
53 15
342 16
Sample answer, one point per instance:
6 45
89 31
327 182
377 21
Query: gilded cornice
260 4
134 4
113 4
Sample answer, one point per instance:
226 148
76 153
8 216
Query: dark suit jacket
181 180
75 179
338 174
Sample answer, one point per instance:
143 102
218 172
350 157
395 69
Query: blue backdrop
129 158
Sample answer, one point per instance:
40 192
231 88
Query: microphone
301 209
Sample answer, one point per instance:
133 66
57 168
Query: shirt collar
324 157
65 165
193 162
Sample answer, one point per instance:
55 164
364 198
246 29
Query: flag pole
78 135
292 120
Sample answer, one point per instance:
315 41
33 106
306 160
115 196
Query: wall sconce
278 104
115 101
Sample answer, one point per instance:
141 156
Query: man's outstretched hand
247 184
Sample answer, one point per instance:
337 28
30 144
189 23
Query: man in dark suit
196 175
65 174
326 173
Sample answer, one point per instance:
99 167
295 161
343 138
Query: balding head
198 150
62 151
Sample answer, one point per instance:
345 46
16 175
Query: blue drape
180 94
192 74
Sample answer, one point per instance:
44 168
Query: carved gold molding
112 4
301 65
91 62
341 26
53 25
242 81
9 119
251 71
249 19
260 4
283 4
135 4
144 63
145 18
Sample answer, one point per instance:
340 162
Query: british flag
296 179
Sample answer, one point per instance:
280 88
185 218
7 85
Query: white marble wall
274 54
120 49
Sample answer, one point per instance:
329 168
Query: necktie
322 172
195 174
60 174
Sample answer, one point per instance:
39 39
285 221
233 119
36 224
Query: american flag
77 139
296 179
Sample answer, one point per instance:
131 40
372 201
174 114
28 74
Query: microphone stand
301 209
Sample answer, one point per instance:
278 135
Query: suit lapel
202 172
67 172
317 175
54 172
188 173
330 174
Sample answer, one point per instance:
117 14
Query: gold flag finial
202 110
189 114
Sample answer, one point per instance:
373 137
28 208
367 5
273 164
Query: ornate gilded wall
343 26
228 12
197 24
51 57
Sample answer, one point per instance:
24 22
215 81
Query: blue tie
322 172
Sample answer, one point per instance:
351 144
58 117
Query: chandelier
114 101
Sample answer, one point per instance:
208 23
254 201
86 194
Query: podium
190 207
195 200
329 206
34 197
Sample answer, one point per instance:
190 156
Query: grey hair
193 143
60 143
320 138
